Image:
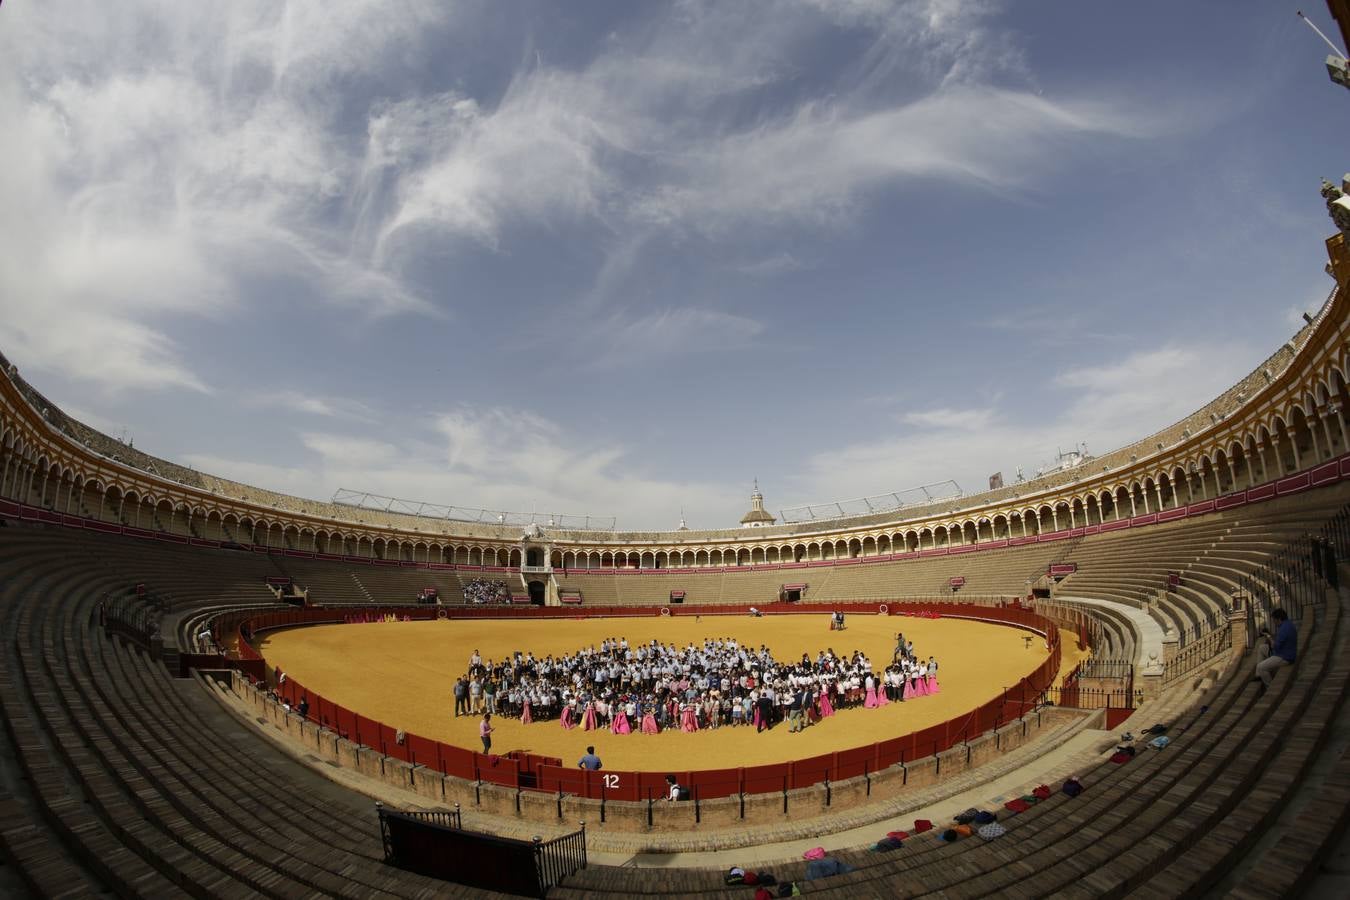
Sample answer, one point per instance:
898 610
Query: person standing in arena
461 697
476 694
485 732
765 709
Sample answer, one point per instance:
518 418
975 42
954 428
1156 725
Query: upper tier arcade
1288 415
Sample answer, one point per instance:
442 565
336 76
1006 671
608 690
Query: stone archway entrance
538 593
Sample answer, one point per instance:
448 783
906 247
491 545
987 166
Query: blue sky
623 258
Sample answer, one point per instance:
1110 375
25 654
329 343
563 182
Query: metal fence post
539 874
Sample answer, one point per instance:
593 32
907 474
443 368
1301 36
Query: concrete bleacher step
1220 828
127 802
1121 804
104 852
144 783
151 815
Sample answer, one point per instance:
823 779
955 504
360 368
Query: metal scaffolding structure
861 506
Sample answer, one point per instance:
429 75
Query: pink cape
871 701
588 722
689 720
920 688
882 699
649 724
620 725
908 692
525 717
932 684
826 710
567 718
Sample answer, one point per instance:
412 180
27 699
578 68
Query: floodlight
1339 70
1337 65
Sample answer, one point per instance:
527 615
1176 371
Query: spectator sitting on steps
1284 651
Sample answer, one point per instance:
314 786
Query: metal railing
861 506
434 843
1296 578
556 859
446 818
1211 620
1075 696
134 617
1196 654
1106 668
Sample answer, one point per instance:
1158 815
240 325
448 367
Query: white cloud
477 440
771 266
357 452
638 142
493 458
627 340
311 404
501 458
1315 298
1048 326
161 157
1143 369
951 419
159 154
947 40
110 427
535 157
298 481
1107 406
813 167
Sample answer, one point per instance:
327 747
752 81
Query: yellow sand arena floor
402 673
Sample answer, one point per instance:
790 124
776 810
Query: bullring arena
211 689
153 678
401 672
156 746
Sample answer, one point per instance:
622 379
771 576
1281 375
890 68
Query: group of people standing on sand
908 676
719 682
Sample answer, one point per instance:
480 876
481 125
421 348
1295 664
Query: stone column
1237 625
1171 645
1312 438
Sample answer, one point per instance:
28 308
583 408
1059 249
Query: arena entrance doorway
538 593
